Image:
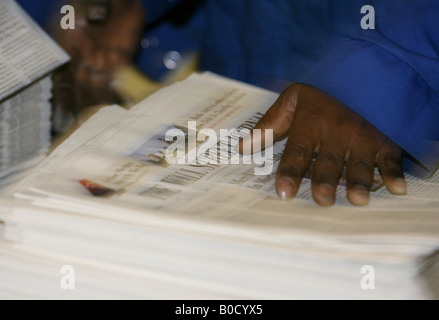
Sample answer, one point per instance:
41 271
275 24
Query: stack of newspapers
155 203
27 56
25 129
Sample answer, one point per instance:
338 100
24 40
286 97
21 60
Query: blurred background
119 54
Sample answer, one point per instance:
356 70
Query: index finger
278 118
296 158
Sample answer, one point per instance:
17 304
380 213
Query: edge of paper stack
221 235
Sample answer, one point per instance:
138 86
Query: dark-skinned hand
317 123
105 38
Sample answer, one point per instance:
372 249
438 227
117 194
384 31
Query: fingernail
399 187
359 195
324 194
286 189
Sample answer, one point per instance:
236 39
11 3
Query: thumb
278 118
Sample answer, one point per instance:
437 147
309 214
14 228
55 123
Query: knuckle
364 164
291 171
292 90
392 171
299 150
392 159
265 122
325 178
356 181
391 152
329 157
390 167
287 101
390 164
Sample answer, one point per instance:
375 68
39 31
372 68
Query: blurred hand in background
105 39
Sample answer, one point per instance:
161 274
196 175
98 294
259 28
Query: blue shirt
388 75
41 10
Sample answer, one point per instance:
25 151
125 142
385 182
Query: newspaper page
110 197
26 52
125 169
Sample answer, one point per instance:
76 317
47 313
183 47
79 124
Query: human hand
105 39
315 122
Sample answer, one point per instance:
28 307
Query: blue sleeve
40 11
155 9
390 76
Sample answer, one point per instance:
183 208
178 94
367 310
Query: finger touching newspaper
170 164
